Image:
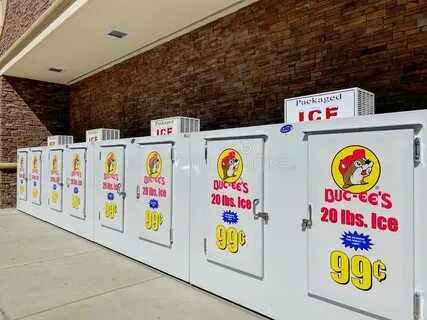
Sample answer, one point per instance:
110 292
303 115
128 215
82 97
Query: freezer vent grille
365 103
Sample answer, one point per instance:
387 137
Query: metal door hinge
204 245
417 150
99 155
171 235
418 306
257 215
99 215
206 152
307 223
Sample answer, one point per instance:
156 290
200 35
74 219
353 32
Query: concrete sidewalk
48 273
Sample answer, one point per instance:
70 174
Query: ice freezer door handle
121 193
257 215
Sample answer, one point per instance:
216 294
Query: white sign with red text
326 106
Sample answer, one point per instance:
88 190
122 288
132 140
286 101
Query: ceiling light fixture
55 70
117 34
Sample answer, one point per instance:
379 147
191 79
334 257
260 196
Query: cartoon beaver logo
154 164
356 169
76 163
110 163
21 164
35 164
230 165
54 163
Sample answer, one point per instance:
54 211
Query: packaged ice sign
155 194
55 179
75 192
59 140
330 105
168 126
102 134
112 194
36 177
235 184
360 194
22 175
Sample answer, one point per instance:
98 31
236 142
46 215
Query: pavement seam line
89 297
48 260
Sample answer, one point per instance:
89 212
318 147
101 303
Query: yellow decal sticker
230 165
110 163
75 201
153 220
230 238
356 169
54 163
359 270
76 163
154 164
110 210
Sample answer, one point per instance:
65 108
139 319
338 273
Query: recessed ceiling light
55 70
117 34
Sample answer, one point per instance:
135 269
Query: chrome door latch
257 215
307 223
121 193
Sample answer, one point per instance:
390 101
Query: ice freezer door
22 175
235 231
55 179
360 244
155 193
75 182
36 177
112 194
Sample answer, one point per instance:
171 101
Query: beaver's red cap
347 161
226 159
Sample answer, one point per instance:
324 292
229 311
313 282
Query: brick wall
20 15
29 112
238 70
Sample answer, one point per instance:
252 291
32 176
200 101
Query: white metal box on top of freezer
31 197
70 183
324 218
329 105
142 200
59 140
174 125
102 134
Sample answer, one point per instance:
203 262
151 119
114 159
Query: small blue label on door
110 196
230 217
154 204
76 190
286 128
54 187
356 241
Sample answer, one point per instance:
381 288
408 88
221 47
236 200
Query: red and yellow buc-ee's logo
76 162
230 165
110 163
54 162
356 169
35 164
154 164
21 163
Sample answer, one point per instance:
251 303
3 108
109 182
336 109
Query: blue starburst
356 241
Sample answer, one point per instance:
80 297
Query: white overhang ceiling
77 41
